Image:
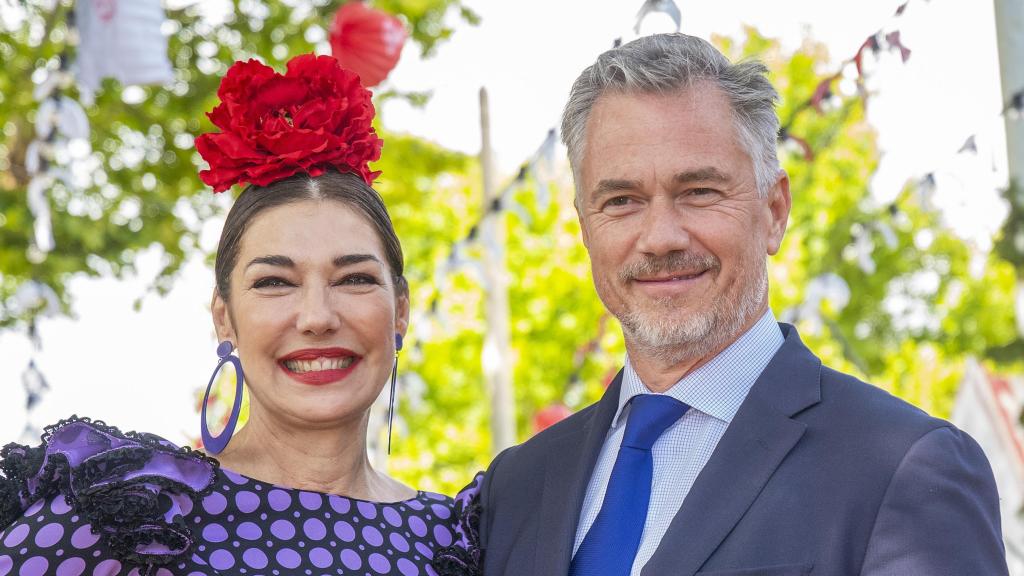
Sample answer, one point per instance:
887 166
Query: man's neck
658 374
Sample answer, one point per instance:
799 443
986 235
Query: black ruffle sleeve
464 557
132 488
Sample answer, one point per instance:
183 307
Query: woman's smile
319 365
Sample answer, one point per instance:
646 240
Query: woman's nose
317 315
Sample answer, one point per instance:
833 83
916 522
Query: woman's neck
331 460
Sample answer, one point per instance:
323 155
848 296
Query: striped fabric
714 392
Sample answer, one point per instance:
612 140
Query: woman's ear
402 313
222 319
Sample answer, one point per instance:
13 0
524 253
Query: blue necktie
612 541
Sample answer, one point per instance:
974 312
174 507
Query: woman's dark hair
346 188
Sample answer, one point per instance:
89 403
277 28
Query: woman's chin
328 412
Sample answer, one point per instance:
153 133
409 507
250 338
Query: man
724 446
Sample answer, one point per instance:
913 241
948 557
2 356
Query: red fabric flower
315 116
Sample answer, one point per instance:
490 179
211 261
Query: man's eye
619 201
703 191
271 282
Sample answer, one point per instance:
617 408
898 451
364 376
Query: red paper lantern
367 41
549 416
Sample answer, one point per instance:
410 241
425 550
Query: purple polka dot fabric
248 527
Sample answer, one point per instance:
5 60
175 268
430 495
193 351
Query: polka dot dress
247 527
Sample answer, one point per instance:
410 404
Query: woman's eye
271 282
358 280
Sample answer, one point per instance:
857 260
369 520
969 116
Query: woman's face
313 313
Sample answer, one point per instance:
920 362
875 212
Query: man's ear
222 319
779 204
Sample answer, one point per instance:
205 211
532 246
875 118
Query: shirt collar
719 387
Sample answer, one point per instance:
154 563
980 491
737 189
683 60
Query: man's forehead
674 139
698 93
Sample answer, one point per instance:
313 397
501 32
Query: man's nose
663 229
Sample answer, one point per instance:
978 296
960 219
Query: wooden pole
1010 41
497 351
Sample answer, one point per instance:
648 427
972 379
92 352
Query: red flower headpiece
315 116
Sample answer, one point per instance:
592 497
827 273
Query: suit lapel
756 442
570 462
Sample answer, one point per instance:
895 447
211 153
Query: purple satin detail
112 463
192 473
463 500
156 548
79 442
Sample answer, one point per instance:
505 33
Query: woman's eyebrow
350 259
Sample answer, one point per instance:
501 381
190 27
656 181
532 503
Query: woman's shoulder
464 557
130 489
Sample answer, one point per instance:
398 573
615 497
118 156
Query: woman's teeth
319 365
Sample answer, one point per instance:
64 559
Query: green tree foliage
928 301
142 187
908 324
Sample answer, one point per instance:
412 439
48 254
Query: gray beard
658 334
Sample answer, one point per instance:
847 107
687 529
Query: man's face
677 233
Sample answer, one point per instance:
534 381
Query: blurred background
903 131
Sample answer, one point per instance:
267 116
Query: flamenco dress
95 501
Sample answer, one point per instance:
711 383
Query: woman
310 292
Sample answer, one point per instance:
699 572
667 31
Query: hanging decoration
120 39
59 121
34 299
549 416
539 166
1015 105
926 187
659 6
969 146
367 41
820 100
542 166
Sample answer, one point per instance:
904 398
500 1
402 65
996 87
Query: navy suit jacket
818 473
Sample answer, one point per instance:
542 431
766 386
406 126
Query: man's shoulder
858 406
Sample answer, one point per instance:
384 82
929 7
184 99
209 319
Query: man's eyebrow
613 185
705 174
273 260
350 259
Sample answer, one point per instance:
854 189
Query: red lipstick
318 366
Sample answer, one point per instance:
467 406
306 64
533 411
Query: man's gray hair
667 63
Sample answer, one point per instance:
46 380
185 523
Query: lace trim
136 511
465 556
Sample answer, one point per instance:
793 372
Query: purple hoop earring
394 379
216 444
